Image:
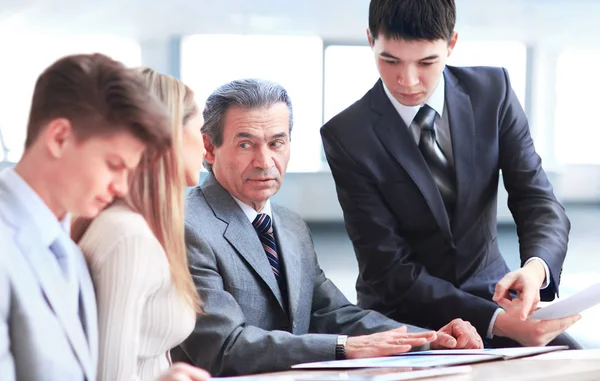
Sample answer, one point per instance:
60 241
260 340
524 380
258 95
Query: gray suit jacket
246 328
40 339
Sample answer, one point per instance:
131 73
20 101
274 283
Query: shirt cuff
546 270
490 331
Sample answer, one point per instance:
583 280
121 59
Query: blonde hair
157 186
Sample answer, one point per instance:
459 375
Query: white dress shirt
443 137
251 213
441 125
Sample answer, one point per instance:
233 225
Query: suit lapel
462 132
49 277
40 261
291 263
240 233
395 136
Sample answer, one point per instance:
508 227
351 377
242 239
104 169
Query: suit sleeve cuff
490 331
546 271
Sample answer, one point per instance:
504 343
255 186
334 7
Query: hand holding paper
531 332
526 281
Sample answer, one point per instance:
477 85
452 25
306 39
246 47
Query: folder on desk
504 353
415 362
434 358
381 374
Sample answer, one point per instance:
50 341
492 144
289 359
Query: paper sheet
580 354
506 353
371 374
417 361
382 374
572 305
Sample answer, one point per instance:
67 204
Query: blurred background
318 50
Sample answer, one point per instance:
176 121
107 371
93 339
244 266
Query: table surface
562 365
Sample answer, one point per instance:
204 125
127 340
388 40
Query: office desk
528 369
525 369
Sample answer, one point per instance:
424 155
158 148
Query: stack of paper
430 359
398 374
420 361
500 353
581 354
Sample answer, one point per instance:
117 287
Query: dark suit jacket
247 328
415 263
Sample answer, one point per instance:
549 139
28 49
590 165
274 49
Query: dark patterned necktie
264 227
438 163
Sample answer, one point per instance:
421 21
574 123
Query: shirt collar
251 213
38 213
436 101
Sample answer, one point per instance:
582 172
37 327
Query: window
511 55
349 73
577 130
29 56
350 70
209 61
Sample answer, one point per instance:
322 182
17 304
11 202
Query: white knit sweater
140 313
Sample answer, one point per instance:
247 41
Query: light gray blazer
246 328
40 338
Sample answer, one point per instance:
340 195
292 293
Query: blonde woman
135 249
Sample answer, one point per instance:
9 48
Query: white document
504 353
397 374
371 374
578 354
415 362
261 377
572 305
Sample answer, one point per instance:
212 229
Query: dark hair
247 93
99 96
412 20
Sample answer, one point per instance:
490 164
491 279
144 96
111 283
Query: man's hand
531 332
184 372
527 282
386 343
458 334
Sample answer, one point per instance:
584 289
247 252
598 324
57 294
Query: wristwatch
340 347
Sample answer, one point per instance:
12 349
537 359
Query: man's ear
370 38
452 43
210 149
57 134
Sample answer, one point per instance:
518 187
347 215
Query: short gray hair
246 93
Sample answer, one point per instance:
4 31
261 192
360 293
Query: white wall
30 28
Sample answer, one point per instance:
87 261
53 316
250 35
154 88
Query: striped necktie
264 227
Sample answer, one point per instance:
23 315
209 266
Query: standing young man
416 163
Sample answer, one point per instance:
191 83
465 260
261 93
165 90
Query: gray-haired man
268 303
